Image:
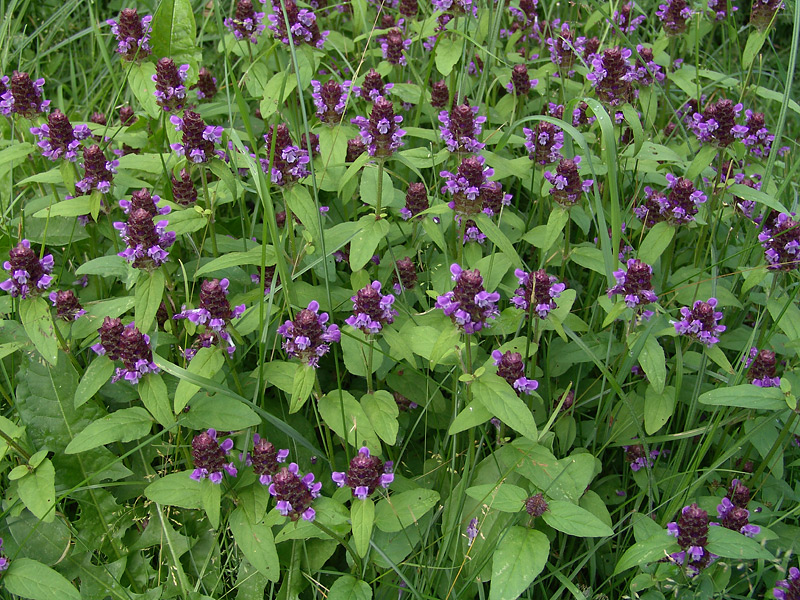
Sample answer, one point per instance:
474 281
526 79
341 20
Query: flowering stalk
366 474
469 305
28 274
209 459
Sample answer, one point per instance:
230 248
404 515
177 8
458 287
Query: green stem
21 451
380 189
210 207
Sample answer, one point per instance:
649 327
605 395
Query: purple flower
456 7
461 128
538 292
717 124
536 505
294 494
381 132
147 241
394 46
206 85
183 190
781 241
405 276
758 139
521 83
493 198
302 23
330 100
58 138
738 493
308 337
701 322
579 115
647 70
763 12
68 307
736 518
29 274
638 458
133 34
677 207
373 87
266 459
355 148
4 562
214 311
416 201
511 367
634 284
371 309
247 24
761 365
365 475
129 345
266 274
170 89
691 529
98 173
720 9
198 140
622 18
524 20
126 116
674 15
612 76
468 186
440 95
469 305
568 186
110 332
21 96
472 531
289 162
789 588
403 403
209 457
565 49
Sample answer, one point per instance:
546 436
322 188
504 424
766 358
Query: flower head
461 128
536 505
691 529
394 46
761 370
634 284
22 96
68 307
330 99
677 207
612 76
365 475
294 494
381 132
789 588
720 9
247 24
170 89
674 15
373 87
198 140
403 403
538 292
565 48
405 276
717 124
266 459
309 336
133 34
511 367
521 83
440 95
416 201
624 19
758 139
110 333
289 162
147 241
214 311
371 309
209 457
98 173
736 518
763 12
129 345
302 23
781 241
408 8
568 186
126 116
29 275
58 138
638 458
206 85
469 305
647 70
183 190
701 322
4 562
469 186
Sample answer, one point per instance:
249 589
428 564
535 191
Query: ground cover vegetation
399 299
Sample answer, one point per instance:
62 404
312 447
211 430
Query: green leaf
174 30
149 291
220 413
474 414
732 544
176 489
38 324
401 510
656 547
591 258
747 193
502 401
257 544
237 259
15 152
279 373
369 188
382 412
655 242
658 408
38 492
272 91
207 362
753 46
29 578
702 160
362 517
73 207
571 519
211 497
519 557
304 378
447 54
96 375
498 238
140 82
651 359
155 398
446 343
123 425
745 396
366 241
107 266
555 225
356 427
716 354
503 497
348 587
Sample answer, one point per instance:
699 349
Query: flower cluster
373 87
147 241
381 133
214 312
330 99
520 83
29 274
789 588
544 142
763 12
301 22
68 307
761 372
568 186
206 85
565 48
674 15
128 344
456 7
758 139
170 89
781 240
22 96
98 173
3 560
691 529
133 34
371 309
701 322
469 305
538 292
511 367
416 201
647 70
365 475
308 337
720 9
289 162
198 139
717 124
246 24
440 95
638 459
468 186
265 459
536 505
635 285
209 457
267 275
736 518
626 23
679 206
58 138
613 75
405 277
461 127
394 46
183 190
293 493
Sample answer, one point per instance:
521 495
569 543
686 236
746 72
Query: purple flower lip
365 475
469 306
309 336
29 276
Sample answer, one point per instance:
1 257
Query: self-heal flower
761 372
210 457
206 85
691 529
758 139
143 199
28 274
521 83
294 494
467 186
98 173
720 9
133 34
373 87
461 127
568 186
309 336
170 89
781 242
638 459
456 7
538 292
110 333
22 96
738 493
416 201
469 305
736 518
565 49
394 47
789 588
624 19
147 241
678 206
536 505
405 276
647 70
289 162
330 99
302 24
440 95
68 307
717 124
511 367
494 199
381 132
247 24
544 142
266 459
183 190
634 284
408 8
763 12
198 138
133 348
674 15
365 475
612 76
371 309
58 138
214 311
4 562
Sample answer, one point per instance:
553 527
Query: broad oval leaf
573 520
123 425
28 578
518 559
